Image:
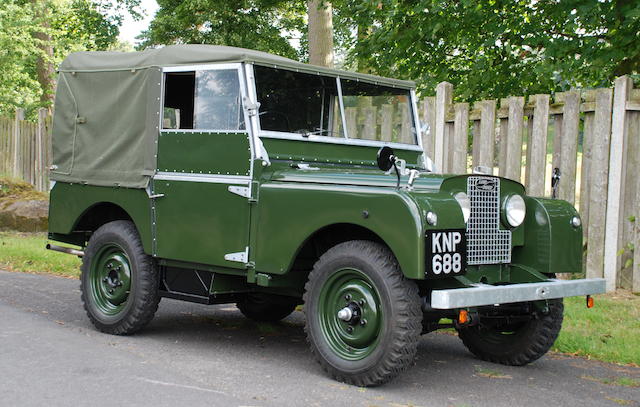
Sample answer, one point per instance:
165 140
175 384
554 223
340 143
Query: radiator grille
486 243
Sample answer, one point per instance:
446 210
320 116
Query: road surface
196 355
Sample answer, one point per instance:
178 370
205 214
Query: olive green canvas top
172 55
107 108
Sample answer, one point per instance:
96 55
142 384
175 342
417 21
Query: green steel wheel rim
110 279
358 337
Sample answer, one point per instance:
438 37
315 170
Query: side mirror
386 158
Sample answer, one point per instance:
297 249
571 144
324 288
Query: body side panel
69 202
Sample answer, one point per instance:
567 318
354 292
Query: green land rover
222 175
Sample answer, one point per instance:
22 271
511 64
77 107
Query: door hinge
242 191
240 257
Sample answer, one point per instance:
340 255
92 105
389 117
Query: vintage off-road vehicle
223 175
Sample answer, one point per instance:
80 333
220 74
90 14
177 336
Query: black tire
398 324
140 299
266 307
518 344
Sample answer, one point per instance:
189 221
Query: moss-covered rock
22 208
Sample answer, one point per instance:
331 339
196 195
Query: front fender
289 213
551 243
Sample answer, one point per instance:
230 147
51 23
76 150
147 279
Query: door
202 210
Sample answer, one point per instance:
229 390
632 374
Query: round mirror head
385 162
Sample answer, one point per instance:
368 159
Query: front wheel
517 337
363 317
119 282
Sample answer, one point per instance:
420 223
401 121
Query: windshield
312 105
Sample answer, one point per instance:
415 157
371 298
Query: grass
609 332
26 252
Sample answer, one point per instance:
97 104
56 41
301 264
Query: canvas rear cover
103 132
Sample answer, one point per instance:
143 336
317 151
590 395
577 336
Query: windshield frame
341 140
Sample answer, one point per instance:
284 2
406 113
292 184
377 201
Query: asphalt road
193 355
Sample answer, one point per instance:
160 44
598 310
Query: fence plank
587 149
458 164
444 92
16 142
428 116
514 140
569 146
487 133
615 193
598 179
369 123
537 147
41 148
386 125
503 131
351 114
629 206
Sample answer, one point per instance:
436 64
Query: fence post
41 149
513 162
444 92
487 134
17 168
458 164
615 193
537 147
569 146
597 178
635 278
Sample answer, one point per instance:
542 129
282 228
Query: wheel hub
110 279
350 313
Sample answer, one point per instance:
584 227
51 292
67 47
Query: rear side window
203 100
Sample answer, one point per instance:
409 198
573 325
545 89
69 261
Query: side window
203 100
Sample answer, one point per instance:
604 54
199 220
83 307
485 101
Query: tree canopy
496 48
37 32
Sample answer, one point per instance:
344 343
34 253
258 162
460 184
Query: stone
24 216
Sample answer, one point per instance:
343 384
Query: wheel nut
349 329
363 322
104 280
110 290
347 297
361 302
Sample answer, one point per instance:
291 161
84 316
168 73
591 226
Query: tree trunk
320 32
44 65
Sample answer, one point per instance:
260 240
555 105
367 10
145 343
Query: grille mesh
486 243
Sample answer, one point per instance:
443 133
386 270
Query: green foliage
497 48
265 25
69 25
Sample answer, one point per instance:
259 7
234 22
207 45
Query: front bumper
483 294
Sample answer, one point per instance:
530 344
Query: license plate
446 253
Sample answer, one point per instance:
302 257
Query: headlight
514 210
465 205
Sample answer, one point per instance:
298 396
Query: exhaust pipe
67 250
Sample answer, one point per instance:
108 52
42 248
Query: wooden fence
25 148
591 136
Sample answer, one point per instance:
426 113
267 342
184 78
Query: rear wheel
266 307
363 317
514 338
119 282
